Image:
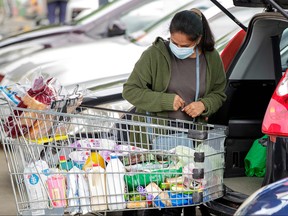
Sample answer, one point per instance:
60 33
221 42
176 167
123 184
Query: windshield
222 33
134 15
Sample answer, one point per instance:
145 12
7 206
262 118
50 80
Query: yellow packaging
138 204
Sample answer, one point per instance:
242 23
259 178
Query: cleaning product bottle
115 184
35 176
94 158
64 164
97 187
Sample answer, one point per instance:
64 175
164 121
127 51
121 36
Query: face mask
181 52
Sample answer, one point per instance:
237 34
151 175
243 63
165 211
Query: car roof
260 3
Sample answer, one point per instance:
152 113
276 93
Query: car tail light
275 121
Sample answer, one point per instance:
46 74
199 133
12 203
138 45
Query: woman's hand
194 109
178 103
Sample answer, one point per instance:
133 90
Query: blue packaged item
10 95
176 199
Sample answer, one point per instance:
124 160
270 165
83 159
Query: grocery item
32 124
135 157
79 158
180 199
157 176
94 158
12 96
115 183
145 167
153 189
77 192
35 176
184 154
104 146
57 190
160 198
136 204
64 164
97 187
188 174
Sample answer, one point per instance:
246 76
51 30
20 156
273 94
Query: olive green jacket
147 85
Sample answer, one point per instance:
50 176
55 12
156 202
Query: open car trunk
251 80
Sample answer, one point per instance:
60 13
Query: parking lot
253 72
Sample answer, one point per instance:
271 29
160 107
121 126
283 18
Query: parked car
268 200
66 63
252 78
76 7
102 23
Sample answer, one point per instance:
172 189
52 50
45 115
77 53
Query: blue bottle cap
113 156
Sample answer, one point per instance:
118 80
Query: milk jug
115 184
97 187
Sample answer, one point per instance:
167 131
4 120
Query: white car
102 23
77 7
110 57
138 20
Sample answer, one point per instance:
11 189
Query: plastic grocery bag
158 176
255 160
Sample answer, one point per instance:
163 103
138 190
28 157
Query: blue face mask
181 52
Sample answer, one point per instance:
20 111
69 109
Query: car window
284 50
222 33
148 14
242 14
147 35
136 15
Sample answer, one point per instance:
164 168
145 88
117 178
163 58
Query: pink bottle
57 190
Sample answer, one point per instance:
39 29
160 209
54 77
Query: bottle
57 190
115 184
64 164
35 176
97 187
94 158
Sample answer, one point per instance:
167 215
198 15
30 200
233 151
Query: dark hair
193 25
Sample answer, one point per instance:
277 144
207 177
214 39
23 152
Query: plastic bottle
57 190
97 187
115 184
35 176
64 164
94 158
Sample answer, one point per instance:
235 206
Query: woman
180 78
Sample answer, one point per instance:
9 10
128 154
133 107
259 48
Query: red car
256 61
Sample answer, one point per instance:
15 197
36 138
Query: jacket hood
160 45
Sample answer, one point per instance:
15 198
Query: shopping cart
145 162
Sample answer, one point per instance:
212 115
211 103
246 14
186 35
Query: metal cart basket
98 160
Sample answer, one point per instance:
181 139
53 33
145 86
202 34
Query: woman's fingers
178 103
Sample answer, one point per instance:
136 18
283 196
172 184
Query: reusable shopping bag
255 160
